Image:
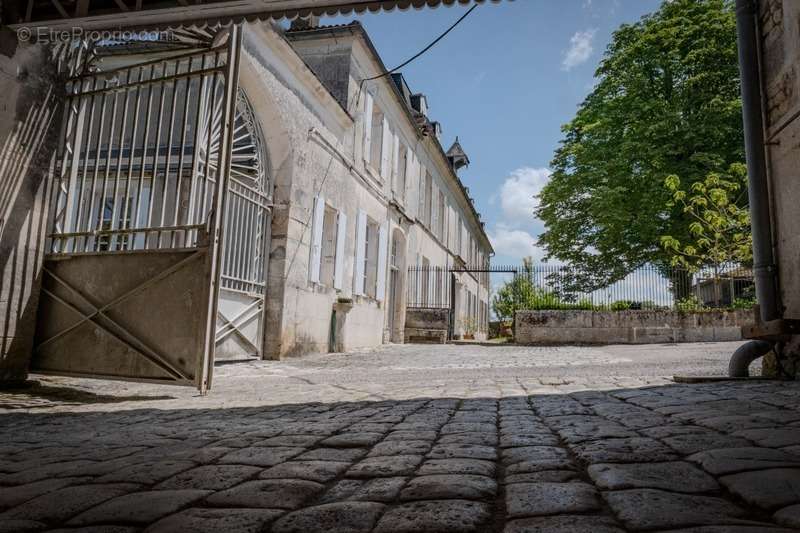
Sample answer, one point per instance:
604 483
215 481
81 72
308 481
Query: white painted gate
131 281
247 228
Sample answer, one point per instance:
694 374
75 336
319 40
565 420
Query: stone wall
780 47
427 325
628 327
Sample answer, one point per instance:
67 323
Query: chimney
307 23
420 103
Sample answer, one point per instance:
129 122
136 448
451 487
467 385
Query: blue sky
504 81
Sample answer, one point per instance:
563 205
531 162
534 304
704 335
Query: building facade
383 200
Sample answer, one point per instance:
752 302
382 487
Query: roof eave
154 14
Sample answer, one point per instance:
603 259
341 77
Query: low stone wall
629 327
426 325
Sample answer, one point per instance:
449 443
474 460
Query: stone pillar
342 308
30 118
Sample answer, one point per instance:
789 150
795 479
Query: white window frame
368 107
361 251
330 247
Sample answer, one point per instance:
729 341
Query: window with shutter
315 257
434 221
386 151
361 253
377 139
368 105
371 255
442 217
403 174
412 184
395 164
428 200
423 177
383 248
329 244
341 237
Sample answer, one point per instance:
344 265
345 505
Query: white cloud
580 49
519 194
514 243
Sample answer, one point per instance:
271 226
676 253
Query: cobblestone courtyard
412 439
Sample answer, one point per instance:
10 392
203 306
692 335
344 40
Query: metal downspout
764 269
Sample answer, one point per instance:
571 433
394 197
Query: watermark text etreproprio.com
53 35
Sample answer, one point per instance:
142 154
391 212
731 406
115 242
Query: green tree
666 103
523 293
509 298
719 231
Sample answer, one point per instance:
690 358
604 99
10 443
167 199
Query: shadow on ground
721 456
34 394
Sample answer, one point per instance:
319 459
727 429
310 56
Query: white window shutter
368 104
361 252
341 234
395 158
316 239
412 177
464 241
446 223
407 171
434 208
383 249
421 193
386 150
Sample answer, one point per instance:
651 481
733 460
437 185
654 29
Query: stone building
386 185
113 205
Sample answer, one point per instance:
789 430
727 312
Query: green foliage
666 103
690 303
743 303
625 305
621 305
521 293
719 231
469 324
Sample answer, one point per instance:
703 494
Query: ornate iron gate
131 281
247 229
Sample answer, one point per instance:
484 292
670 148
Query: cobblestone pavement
417 439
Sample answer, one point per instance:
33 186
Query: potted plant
469 325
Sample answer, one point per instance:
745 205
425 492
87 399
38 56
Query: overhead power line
442 36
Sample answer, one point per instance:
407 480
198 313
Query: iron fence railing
428 287
546 286
553 286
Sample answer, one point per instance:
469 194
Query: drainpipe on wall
764 269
